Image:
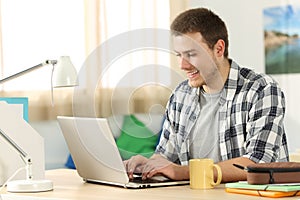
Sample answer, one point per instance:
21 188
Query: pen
240 167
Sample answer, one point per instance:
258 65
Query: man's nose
183 63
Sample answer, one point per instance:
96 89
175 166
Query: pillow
136 138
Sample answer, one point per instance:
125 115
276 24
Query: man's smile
192 74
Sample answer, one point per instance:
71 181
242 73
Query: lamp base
29 186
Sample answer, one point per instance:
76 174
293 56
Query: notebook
263 193
268 190
96 155
288 187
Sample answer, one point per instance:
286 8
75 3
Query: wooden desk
68 185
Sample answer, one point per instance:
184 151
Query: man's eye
191 54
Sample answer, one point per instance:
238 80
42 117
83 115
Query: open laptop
96 155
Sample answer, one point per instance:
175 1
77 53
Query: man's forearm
231 173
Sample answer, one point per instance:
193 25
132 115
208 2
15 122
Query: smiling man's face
195 57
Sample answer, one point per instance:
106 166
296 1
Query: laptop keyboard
159 179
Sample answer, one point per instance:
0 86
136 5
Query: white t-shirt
204 139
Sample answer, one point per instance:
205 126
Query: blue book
18 100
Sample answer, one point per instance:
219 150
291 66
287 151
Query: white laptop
96 156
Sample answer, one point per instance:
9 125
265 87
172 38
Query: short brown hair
210 25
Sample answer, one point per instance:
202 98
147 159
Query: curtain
1 51
146 85
176 7
146 76
35 30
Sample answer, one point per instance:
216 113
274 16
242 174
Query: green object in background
136 139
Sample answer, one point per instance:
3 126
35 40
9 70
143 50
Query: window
118 17
34 31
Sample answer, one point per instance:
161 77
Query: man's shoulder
245 80
249 76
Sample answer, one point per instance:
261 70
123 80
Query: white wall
56 150
244 21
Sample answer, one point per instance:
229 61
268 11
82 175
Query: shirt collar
231 83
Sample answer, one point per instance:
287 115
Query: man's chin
193 84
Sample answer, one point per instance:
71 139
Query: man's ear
219 48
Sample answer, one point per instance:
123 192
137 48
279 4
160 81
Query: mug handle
219 175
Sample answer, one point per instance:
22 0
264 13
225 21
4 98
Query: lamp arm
27 159
47 62
28 163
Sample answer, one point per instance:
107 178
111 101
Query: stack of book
269 190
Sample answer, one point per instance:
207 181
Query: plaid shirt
251 117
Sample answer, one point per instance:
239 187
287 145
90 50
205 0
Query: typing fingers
134 165
154 166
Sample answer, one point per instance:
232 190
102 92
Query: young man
222 111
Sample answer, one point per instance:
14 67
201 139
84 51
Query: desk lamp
63 75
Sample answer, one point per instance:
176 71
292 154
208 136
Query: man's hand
135 165
157 164
154 166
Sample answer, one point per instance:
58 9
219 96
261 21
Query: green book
268 187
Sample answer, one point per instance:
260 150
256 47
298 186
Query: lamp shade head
65 74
